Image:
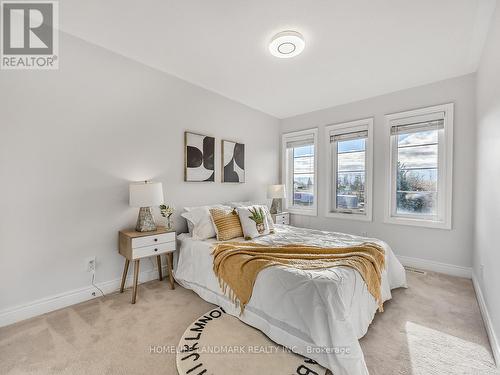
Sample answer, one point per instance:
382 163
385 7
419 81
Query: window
420 173
350 169
299 166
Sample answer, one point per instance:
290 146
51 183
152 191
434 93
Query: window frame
443 219
331 169
287 172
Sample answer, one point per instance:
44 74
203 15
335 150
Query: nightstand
137 245
281 218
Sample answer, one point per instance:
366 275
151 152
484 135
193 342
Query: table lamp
144 195
276 193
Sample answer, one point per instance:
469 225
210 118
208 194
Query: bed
320 314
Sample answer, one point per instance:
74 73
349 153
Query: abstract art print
233 162
199 154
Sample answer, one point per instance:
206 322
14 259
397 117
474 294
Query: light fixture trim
287 44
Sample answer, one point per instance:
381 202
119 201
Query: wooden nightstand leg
136 278
170 264
124 276
158 260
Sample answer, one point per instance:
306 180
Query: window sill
343 215
418 222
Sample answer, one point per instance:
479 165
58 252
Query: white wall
72 139
451 247
487 249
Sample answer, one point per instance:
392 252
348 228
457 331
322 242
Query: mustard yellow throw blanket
237 264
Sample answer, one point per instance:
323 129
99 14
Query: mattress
320 314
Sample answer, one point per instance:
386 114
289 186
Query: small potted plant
166 212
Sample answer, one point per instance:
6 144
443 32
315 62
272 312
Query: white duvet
320 314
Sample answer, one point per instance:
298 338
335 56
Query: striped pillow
227 223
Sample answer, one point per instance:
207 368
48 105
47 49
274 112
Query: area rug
218 343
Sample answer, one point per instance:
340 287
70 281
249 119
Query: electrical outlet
364 234
90 264
481 271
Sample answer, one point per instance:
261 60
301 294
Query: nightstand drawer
282 219
153 240
147 251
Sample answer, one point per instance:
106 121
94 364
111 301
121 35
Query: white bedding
320 314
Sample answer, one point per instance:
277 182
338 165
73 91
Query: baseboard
494 343
55 302
58 301
429 265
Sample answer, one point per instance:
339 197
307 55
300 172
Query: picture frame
232 161
199 157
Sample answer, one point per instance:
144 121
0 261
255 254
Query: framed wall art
233 162
199 157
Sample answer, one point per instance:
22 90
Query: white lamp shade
146 194
276 191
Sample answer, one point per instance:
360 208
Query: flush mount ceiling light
287 44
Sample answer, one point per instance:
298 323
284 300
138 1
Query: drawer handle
156 239
156 249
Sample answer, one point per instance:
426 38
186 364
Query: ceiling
355 49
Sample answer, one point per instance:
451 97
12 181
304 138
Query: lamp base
145 220
276 206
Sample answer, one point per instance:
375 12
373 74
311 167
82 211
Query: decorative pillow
253 221
270 221
227 223
199 220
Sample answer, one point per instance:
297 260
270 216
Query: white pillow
253 221
270 221
201 222
190 227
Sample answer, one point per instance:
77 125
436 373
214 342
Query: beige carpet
434 327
